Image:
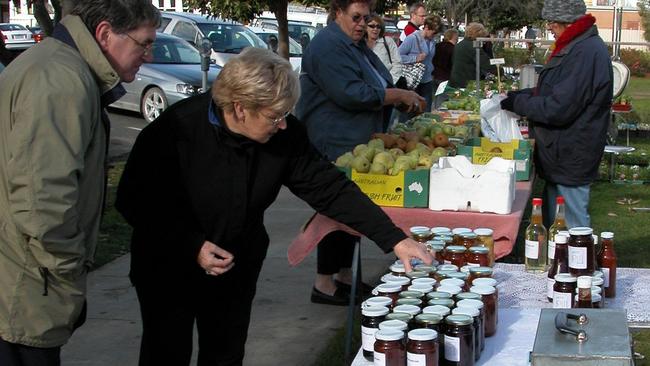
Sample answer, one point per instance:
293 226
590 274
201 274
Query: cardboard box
481 150
482 188
407 189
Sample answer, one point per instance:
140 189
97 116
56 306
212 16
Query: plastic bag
497 124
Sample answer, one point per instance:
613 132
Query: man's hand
409 248
214 260
420 57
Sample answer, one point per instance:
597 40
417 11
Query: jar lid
417 274
584 282
481 270
444 302
397 268
452 282
465 268
409 301
479 250
598 274
470 302
459 320
460 230
468 235
468 295
483 290
458 275
451 289
378 301
581 231
389 335
561 238
448 267
438 247
388 288
428 318
466 310
393 324
409 309
374 311
440 229
438 295
425 281
398 280
456 249
596 297
445 238
484 282
435 241
405 317
607 235
423 334
597 281
389 277
425 289
444 274
411 294
419 230
565 277
483 231
425 268
437 309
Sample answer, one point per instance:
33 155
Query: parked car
390 30
228 38
174 74
38 33
16 36
270 36
301 32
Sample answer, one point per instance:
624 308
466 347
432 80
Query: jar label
379 359
605 276
452 348
532 249
551 249
414 359
577 257
561 300
368 338
549 287
473 264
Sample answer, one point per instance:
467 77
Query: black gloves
509 103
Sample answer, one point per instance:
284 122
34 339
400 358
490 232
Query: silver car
16 36
270 36
174 74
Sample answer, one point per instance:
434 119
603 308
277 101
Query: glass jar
479 272
597 301
421 233
460 276
435 322
478 305
389 277
455 254
422 347
446 239
403 282
397 269
377 301
409 309
488 282
389 290
488 296
484 237
452 282
389 348
411 295
563 290
478 257
394 324
476 316
406 318
457 234
581 252
371 316
468 240
444 302
608 262
441 275
429 270
459 340
409 301
425 281
467 295
437 309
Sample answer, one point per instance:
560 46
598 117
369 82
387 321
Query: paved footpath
286 328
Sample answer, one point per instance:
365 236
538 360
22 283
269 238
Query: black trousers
220 306
12 354
334 252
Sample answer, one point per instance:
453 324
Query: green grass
639 89
642 345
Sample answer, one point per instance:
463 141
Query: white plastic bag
497 124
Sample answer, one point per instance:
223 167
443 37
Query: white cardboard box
458 185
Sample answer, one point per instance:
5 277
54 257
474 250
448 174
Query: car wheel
153 104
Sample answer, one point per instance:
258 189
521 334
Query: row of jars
577 292
438 272
463 242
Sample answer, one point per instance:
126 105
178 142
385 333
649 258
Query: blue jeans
576 204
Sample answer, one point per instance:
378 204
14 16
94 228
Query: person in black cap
569 110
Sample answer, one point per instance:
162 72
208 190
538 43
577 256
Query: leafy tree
509 15
453 10
644 12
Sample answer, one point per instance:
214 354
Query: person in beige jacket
53 145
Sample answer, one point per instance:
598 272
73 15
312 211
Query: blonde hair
257 78
475 30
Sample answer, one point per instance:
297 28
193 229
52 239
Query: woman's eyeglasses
357 18
276 121
373 26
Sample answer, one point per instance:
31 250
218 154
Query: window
186 31
632 24
163 23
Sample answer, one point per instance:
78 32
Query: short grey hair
415 6
123 15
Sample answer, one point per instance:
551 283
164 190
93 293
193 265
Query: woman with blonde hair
464 60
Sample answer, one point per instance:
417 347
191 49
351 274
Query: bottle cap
537 201
561 239
425 281
393 324
584 282
470 302
437 309
450 289
386 288
483 231
389 335
607 235
377 301
559 200
409 309
484 282
374 311
437 230
423 334
483 289
452 282
423 288
466 310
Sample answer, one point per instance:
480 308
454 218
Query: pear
414 153
384 158
435 129
344 160
422 131
359 149
422 148
369 153
377 144
461 131
437 153
425 160
377 168
399 167
360 164
448 130
395 152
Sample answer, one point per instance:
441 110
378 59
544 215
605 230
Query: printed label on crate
375 187
368 338
452 348
483 157
414 359
532 249
577 257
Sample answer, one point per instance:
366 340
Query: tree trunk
42 16
279 8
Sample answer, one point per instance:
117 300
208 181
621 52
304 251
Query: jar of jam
394 324
608 262
478 305
563 290
389 277
453 290
409 301
438 251
411 295
371 316
409 309
437 309
460 276
425 289
581 252
438 295
441 230
488 296
424 281
421 233
444 302
389 348
478 257
397 269
389 290
480 272
446 239
455 255
406 318
476 316
422 347
435 322
459 340
484 237
468 240
378 301
457 234
487 282
465 268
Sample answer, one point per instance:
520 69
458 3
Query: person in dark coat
442 62
569 110
195 189
464 62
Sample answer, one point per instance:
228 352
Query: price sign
497 61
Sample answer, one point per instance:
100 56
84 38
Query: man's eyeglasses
276 121
146 47
373 26
357 18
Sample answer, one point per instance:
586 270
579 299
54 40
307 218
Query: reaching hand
409 248
214 260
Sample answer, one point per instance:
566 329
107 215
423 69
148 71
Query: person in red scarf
569 109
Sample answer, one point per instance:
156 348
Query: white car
270 36
16 36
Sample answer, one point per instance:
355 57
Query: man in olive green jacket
53 145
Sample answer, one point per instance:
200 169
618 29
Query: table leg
356 281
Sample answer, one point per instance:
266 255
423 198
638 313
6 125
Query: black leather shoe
340 297
366 289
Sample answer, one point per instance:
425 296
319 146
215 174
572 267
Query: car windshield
12 27
296 30
294 47
230 38
174 51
